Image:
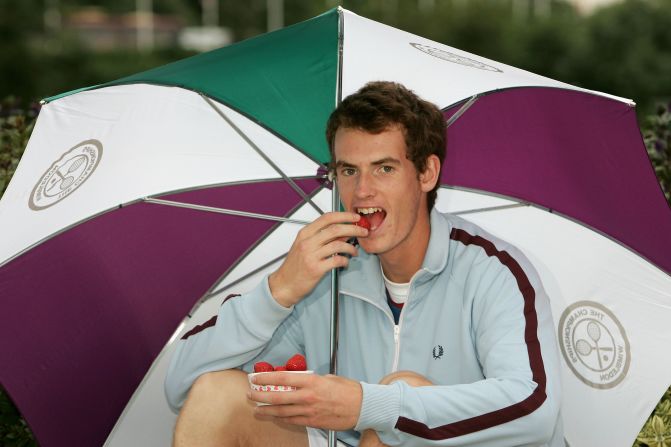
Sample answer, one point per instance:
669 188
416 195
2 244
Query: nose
365 186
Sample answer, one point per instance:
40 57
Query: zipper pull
397 347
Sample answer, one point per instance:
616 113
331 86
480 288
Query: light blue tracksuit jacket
477 323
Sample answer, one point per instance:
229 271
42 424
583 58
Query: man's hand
327 402
311 256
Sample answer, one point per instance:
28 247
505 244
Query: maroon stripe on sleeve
232 295
514 411
201 327
209 323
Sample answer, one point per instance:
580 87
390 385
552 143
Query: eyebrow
383 161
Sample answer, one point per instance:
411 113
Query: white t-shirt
397 291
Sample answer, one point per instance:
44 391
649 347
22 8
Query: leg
218 413
369 437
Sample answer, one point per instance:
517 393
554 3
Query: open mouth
374 215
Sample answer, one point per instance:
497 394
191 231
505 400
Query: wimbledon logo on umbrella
454 58
594 344
66 174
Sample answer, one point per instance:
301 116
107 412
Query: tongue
375 219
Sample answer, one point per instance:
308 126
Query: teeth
368 210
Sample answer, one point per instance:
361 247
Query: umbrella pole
335 206
333 367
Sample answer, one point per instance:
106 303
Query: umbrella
151 198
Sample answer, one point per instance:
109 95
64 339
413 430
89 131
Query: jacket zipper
397 345
397 327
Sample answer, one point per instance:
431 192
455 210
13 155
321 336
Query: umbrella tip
325 176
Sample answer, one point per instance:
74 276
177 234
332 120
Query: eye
387 169
346 172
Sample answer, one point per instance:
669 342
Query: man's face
376 179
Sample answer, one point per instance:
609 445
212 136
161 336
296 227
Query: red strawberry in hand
363 223
297 363
280 368
263 367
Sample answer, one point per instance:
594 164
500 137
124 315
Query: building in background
99 30
588 6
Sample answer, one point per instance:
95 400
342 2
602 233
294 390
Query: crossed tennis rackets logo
66 174
454 58
594 344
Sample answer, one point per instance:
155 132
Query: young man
446 336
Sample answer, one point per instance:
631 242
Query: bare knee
215 410
218 413
215 383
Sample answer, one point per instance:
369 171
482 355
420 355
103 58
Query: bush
16 124
657 137
657 430
13 429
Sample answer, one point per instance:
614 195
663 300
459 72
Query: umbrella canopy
124 214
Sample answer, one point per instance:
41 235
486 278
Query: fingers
328 219
299 381
339 231
294 399
335 248
317 249
282 410
283 378
327 402
290 407
274 398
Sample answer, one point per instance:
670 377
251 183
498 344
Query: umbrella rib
256 244
467 105
489 208
212 209
237 281
258 150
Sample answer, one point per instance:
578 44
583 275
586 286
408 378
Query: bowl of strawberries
295 365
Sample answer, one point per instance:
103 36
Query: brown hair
380 105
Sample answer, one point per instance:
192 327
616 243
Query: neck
400 264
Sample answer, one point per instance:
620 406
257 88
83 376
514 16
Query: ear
429 177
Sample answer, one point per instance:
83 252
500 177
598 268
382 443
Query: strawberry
297 363
280 368
363 223
263 367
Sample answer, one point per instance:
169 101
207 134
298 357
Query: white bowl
272 388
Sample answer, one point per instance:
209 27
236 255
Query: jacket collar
363 277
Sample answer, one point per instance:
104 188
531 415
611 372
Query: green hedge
13 429
16 124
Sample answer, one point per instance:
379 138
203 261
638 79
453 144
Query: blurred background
622 47
615 46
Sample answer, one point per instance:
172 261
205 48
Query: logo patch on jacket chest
438 352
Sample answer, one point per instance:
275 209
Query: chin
371 247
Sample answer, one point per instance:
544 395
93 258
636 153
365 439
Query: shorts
319 438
